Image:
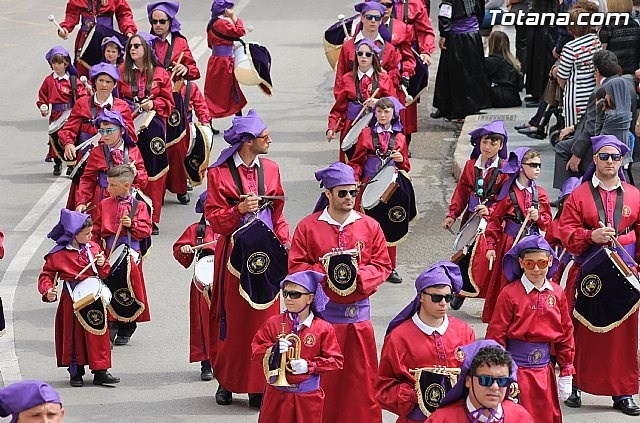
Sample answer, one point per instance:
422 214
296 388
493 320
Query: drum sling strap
617 214
220 35
405 17
236 177
94 112
374 87
376 144
107 156
187 95
74 89
134 86
516 207
200 232
488 192
167 58
90 7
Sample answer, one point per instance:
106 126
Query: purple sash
465 25
61 107
528 354
88 23
360 311
222 51
512 228
307 385
353 108
473 202
135 244
416 414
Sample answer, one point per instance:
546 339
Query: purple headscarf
106 68
170 8
396 122
336 174
67 228
243 129
63 51
115 41
599 142
441 273
201 202
370 5
511 265
21 396
148 38
115 117
310 280
495 127
218 7
568 186
368 42
512 167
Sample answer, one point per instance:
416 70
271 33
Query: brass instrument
453 372
355 252
285 358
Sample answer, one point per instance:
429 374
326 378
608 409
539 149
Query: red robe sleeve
497 212
565 347
300 258
571 230
364 146
141 227
342 66
71 16
162 92
182 46
89 178
394 392
43 92
422 27
544 210
462 193
124 16
339 109
198 104
189 237
220 214
503 315
372 274
71 129
141 179
405 34
226 27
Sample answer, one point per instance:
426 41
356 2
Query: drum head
89 286
118 255
57 124
352 136
203 272
467 234
377 187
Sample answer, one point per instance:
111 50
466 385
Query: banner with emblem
342 271
177 122
153 147
432 384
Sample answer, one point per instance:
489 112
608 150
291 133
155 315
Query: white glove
283 345
299 366
564 387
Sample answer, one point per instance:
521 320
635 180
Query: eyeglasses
343 193
377 18
533 165
159 21
436 298
365 53
294 295
135 46
107 131
488 381
387 5
531 264
266 137
616 157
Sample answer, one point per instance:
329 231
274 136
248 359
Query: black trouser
521 34
122 329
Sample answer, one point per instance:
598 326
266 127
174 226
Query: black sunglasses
343 193
488 381
616 157
159 21
135 46
387 5
436 298
365 53
373 17
533 165
294 295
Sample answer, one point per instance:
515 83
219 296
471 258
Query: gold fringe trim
133 295
202 170
88 328
159 175
175 141
55 150
605 329
416 386
470 272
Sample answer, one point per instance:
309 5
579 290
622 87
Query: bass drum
335 36
252 65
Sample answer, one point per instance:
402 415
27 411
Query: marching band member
183 251
384 141
112 51
532 321
480 395
371 15
234 185
354 91
122 210
357 264
603 198
91 13
415 14
520 204
314 340
221 89
115 148
422 335
31 401
77 344
476 192
61 89
146 85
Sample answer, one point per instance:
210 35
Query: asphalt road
158 384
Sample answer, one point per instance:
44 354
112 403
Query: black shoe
553 203
531 99
627 406
528 130
394 277
206 374
214 131
532 105
574 400
523 126
255 401
76 381
436 115
457 302
538 135
223 397
121 340
155 230
69 170
184 198
189 185
57 169
103 377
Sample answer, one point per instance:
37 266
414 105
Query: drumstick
491 263
408 97
89 265
414 50
173 72
451 230
115 240
344 26
521 231
364 108
45 110
206 244
619 245
53 20
249 28
564 250
266 197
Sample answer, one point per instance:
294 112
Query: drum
197 159
465 248
419 82
252 65
91 51
124 306
143 120
152 144
57 124
203 274
432 384
90 300
380 188
335 36
351 138
88 291
469 232
54 127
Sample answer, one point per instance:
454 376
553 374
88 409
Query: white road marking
41 206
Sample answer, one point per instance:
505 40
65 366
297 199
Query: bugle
285 358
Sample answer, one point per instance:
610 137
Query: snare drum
88 291
469 232
351 138
57 124
252 65
143 120
203 273
381 188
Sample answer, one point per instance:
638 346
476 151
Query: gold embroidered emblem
626 211
535 356
342 273
95 317
123 297
258 263
460 355
158 146
551 300
309 340
174 118
433 395
397 214
590 285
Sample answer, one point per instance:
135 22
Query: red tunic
94 350
350 391
77 9
180 46
198 305
502 242
221 89
106 224
407 347
418 17
457 412
319 347
231 357
536 317
620 345
365 149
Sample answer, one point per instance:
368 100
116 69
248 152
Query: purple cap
465 355
148 38
218 7
106 68
441 273
370 5
63 51
568 186
336 174
170 8
608 140
368 42
511 266
495 127
310 280
243 129
512 167
113 40
201 202
115 117
21 396
67 228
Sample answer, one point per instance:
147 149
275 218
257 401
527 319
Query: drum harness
489 191
200 233
376 144
374 86
617 214
519 216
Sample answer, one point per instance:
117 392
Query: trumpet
355 252
285 358
452 372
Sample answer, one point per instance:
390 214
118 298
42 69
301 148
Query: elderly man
31 401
